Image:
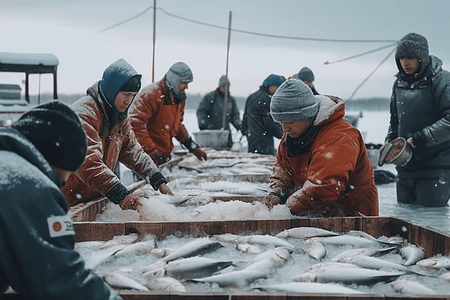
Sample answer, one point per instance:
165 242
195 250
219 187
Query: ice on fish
407 287
412 254
166 284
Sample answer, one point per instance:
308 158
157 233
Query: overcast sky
71 31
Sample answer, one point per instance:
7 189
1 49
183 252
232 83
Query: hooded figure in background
157 113
420 113
37 256
104 115
211 108
322 167
257 121
307 76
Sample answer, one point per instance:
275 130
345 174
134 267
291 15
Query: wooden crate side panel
145 227
82 231
332 224
353 223
376 226
105 231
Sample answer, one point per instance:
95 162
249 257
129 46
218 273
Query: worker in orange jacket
157 115
322 167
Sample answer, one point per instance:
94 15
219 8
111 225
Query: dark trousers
431 192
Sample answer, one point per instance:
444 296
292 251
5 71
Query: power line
364 81
127 20
358 55
249 32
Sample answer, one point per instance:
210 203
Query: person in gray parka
420 113
210 110
37 255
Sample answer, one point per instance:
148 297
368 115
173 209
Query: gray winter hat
293 101
224 81
179 72
305 74
413 45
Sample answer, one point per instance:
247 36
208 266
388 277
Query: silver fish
79 246
119 281
121 240
167 284
445 276
305 233
227 238
340 240
363 251
280 254
307 288
238 279
265 240
176 200
316 250
99 257
195 267
315 267
412 254
153 266
347 276
438 262
139 248
162 252
247 248
410 287
195 248
376 263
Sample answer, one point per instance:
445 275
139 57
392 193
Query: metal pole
224 119
154 40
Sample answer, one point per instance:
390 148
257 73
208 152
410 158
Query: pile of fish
297 260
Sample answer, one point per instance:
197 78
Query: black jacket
37 256
258 122
210 112
420 108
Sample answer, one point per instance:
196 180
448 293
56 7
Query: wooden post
224 120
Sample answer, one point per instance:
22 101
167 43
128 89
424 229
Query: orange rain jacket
334 177
156 118
106 146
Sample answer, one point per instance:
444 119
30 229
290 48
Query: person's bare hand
271 200
164 189
130 202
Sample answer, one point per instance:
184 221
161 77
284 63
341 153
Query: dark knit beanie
223 81
413 45
56 131
132 85
305 74
293 101
273 79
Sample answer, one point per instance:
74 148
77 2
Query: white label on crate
60 226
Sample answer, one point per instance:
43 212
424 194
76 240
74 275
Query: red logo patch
57 226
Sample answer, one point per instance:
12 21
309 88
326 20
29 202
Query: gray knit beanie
413 45
293 101
305 74
224 81
179 72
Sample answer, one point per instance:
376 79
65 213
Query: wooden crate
433 242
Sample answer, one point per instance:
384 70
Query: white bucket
212 138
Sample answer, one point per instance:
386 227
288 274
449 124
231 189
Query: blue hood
114 77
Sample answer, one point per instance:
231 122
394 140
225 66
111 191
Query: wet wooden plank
101 231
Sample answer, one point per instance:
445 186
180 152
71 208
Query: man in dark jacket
104 115
420 113
37 256
259 125
211 109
